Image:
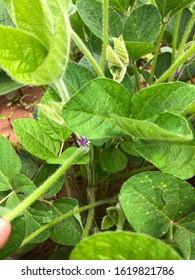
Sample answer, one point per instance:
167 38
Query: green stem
91 193
158 43
62 90
36 194
189 75
105 32
137 79
179 61
121 220
67 215
84 49
186 35
67 187
174 43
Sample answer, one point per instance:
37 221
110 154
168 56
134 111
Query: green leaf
91 14
49 126
162 64
34 17
15 239
112 159
139 49
167 126
75 77
122 246
5 18
34 220
177 158
173 6
30 164
68 231
10 164
34 61
184 236
88 112
22 187
153 202
66 154
34 139
7 84
44 173
174 97
143 24
107 222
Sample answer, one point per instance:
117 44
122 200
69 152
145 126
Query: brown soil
20 104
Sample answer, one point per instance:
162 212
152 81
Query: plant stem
186 35
91 193
137 79
67 187
158 43
84 49
36 194
67 215
105 32
121 220
62 90
176 65
174 43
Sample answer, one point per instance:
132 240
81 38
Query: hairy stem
91 193
67 215
158 43
36 194
186 35
62 90
105 32
137 79
85 50
179 61
174 43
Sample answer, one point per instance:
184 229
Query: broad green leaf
22 187
34 17
66 154
30 164
4 182
139 49
68 231
153 202
91 14
112 159
184 236
88 111
10 163
34 139
5 18
127 146
174 97
15 239
7 84
53 129
26 57
33 62
162 64
75 77
44 173
122 246
177 158
34 220
143 24
167 126
171 6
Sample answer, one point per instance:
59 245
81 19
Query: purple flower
83 142
176 74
